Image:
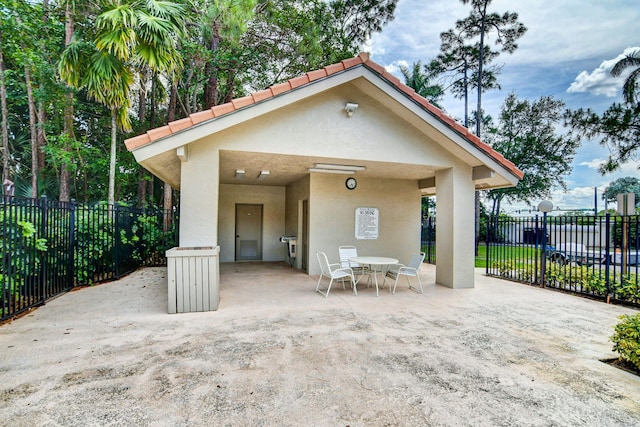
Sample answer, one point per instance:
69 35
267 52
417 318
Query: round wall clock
351 183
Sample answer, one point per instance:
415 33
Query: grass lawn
521 254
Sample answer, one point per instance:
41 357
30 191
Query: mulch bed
623 364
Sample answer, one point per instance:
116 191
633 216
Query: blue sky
567 52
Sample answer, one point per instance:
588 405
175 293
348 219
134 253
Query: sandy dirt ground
278 354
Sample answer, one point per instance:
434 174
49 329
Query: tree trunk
230 87
142 187
480 68
167 206
173 97
142 97
33 132
479 110
154 103
466 95
112 159
41 112
168 191
151 190
65 176
42 137
141 194
211 70
5 118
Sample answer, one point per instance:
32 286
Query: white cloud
394 67
625 169
600 81
593 164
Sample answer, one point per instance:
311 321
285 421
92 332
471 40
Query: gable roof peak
362 59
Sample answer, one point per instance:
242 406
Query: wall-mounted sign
367 223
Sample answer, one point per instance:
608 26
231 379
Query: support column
455 214
199 193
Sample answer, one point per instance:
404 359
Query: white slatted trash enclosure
193 279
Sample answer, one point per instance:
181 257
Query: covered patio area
278 353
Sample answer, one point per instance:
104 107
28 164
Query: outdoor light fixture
332 168
545 206
350 108
341 171
263 174
339 167
239 173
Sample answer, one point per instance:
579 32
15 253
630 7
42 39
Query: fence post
487 245
72 243
116 240
607 251
543 253
44 294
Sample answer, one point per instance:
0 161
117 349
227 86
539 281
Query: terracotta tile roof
278 89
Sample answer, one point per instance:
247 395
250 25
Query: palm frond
631 60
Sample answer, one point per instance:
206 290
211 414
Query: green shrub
626 339
627 289
20 251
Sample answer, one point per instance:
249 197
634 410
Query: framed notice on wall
367 223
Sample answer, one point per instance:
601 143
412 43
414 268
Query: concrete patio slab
278 354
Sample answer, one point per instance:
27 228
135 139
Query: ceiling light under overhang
339 167
263 174
340 171
239 173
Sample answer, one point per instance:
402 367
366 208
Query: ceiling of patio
285 169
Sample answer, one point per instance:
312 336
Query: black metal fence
48 247
594 256
428 239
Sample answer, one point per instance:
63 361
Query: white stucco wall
199 198
332 217
297 192
455 230
319 127
273 218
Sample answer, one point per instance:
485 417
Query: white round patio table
375 261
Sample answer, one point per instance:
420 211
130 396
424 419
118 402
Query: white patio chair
411 270
347 252
333 272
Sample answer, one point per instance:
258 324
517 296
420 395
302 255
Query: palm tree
128 34
629 89
420 81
